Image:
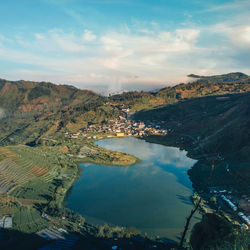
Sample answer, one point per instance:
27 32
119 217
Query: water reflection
149 151
152 195
170 159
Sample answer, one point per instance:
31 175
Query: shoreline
132 165
120 159
61 194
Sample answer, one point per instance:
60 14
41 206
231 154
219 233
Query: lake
152 195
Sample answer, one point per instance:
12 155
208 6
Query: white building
229 202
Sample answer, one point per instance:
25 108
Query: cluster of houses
121 127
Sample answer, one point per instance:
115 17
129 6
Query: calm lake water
152 196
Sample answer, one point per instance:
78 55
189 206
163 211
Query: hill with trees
29 109
199 86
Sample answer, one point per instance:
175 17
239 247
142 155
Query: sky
122 44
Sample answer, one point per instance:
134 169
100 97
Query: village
120 127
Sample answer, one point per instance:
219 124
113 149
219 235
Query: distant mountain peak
232 77
194 76
232 74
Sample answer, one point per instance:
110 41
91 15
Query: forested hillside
30 110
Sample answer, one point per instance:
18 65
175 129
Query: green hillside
198 86
31 110
21 97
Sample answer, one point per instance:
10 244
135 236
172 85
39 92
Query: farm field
18 166
29 220
32 180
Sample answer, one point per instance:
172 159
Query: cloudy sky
122 43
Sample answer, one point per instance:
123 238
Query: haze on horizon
122 44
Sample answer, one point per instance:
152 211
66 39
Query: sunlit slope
21 165
199 86
18 167
30 110
36 97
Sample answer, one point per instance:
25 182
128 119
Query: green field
29 220
33 181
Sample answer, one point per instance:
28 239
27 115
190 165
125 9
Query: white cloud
88 36
67 42
155 57
179 40
132 52
39 36
235 5
240 36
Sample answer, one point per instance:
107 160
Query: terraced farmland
38 171
5 210
18 166
12 174
29 220
33 180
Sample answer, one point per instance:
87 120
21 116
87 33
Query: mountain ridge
36 107
27 92
232 75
